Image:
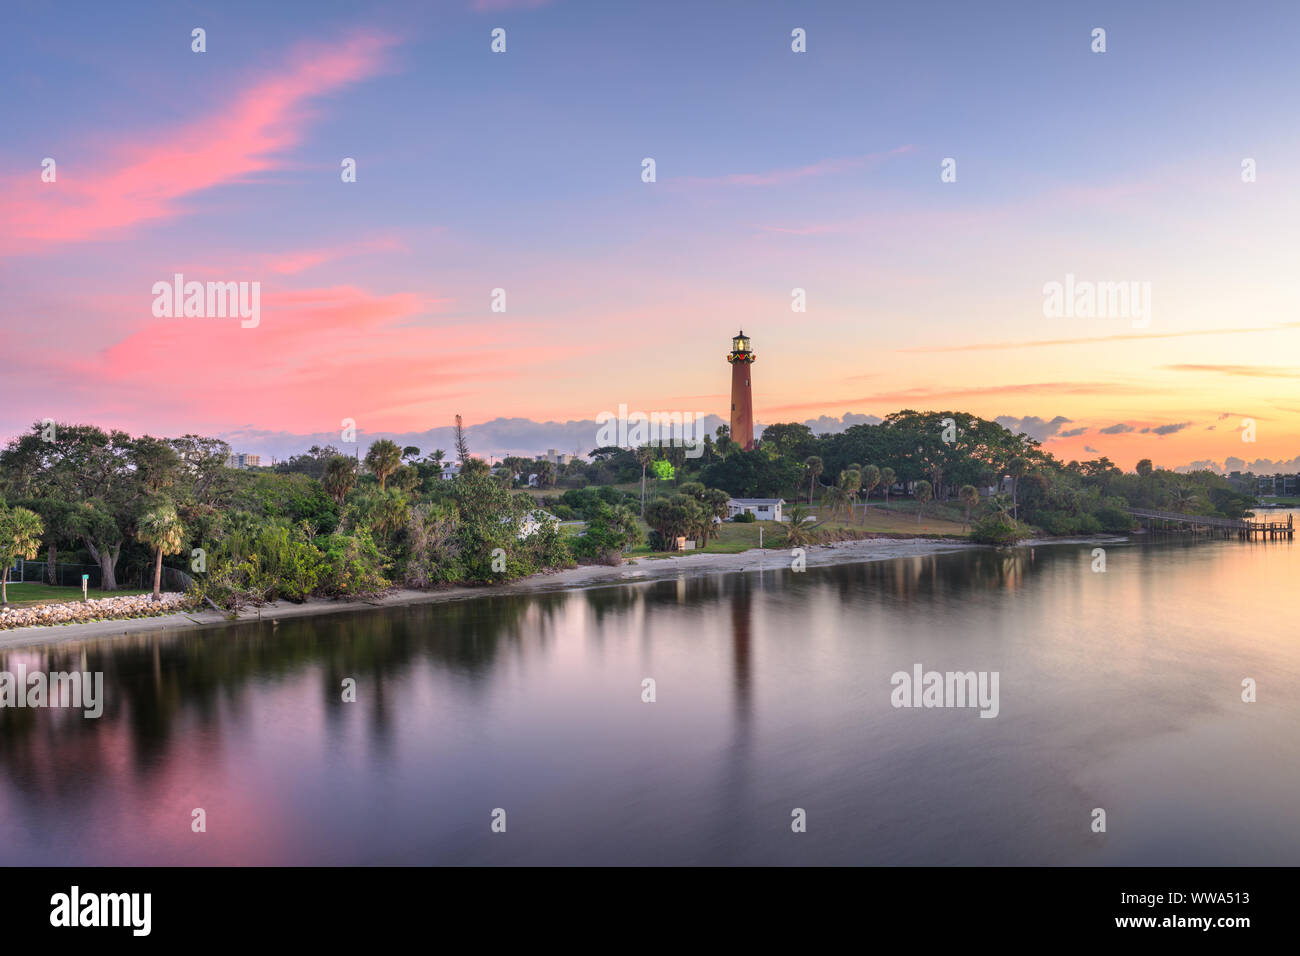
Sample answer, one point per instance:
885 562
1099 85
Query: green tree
462 443
813 466
678 516
887 478
339 478
611 530
800 531
969 496
1017 468
923 491
870 479
20 537
753 474
161 529
644 455
382 459
713 503
789 440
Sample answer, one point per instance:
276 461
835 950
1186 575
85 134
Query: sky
774 170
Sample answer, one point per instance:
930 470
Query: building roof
756 501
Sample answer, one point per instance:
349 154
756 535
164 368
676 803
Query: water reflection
534 699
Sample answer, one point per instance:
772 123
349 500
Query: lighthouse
742 399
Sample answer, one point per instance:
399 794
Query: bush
745 517
1088 524
1057 522
610 532
1113 520
268 564
998 529
353 565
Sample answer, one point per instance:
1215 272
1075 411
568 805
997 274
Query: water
1119 690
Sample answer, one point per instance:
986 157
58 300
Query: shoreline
569 579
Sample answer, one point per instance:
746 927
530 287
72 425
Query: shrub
1113 520
255 566
1088 524
610 532
1057 522
998 529
745 517
353 565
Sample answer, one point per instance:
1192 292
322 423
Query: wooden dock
1247 529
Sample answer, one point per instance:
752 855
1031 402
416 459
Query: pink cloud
290 263
147 178
317 356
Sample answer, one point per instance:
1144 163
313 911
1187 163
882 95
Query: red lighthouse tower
742 399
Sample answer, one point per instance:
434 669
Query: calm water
1118 690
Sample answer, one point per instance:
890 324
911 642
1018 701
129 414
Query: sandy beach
584 576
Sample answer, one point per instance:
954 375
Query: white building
534 521
450 469
764 509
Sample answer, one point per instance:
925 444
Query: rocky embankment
96 609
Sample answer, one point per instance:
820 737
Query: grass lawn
30 594
730 538
900 518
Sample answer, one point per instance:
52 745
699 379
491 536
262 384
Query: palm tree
339 478
716 504
383 458
887 477
798 534
923 491
162 530
1001 504
1016 468
969 496
1184 498
644 455
20 537
833 498
851 479
815 466
870 478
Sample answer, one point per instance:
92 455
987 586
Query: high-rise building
741 358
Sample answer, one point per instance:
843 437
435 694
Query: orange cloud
146 178
1249 371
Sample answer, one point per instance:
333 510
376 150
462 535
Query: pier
1247 529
